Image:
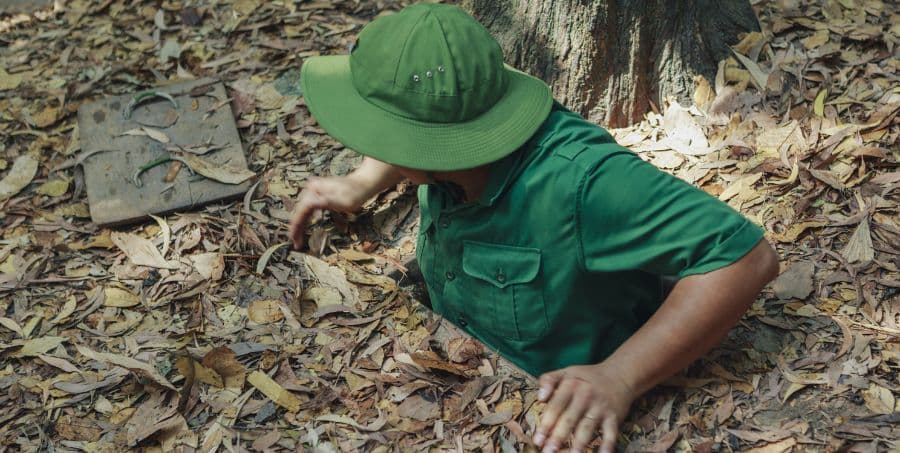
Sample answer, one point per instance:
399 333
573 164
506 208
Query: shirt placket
448 262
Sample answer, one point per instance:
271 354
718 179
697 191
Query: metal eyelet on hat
415 77
429 74
441 68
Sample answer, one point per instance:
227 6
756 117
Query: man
539 235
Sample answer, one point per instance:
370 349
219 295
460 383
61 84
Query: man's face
415 176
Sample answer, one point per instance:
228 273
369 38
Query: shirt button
501 277
444 223
462 322
450 275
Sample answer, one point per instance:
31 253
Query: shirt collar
507 169
503 173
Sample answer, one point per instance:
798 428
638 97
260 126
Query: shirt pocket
508 281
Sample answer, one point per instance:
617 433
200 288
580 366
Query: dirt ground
202 330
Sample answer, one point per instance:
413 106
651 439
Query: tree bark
610 59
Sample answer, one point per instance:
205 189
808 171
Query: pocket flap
500 265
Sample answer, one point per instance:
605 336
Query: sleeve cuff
740 243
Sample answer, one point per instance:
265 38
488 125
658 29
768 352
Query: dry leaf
333 277
463 349
38 346
266 441
23 171
12 325
60 363
188 366
273 391
819 103
795 230
796 282
224 173
879 399
265 311
135 366
859 248
209 265
166 233
222 360
740 186
53 188
323 297
683 134
503 413
418 408
119 297
140 251
266 256
144 131
46 117
783 446
9 81
817 39
760 78
375 425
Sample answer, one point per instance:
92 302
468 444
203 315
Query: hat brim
362 126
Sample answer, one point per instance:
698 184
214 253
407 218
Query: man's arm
695 316
341 193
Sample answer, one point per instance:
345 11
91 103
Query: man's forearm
695 316
374 176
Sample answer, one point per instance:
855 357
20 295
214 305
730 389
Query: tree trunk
609 59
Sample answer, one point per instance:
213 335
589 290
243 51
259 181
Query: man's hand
582 401
695 316
340 193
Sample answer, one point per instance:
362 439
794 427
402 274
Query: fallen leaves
798 131
144 131
221 172
120 297
417 407
54 187
9 81
796 282
265 311
879 400
209 265
782 446
859 248
34 347
375 425
273 391
23 171
135 366
140 251
223 361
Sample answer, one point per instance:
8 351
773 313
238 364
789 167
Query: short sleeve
633 216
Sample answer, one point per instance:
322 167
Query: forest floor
223 338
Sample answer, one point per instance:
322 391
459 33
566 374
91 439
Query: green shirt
561 259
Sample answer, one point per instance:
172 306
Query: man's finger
298 224
587 429
308 204
610 432
569 418
561 398
548 382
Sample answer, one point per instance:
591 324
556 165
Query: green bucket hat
425 88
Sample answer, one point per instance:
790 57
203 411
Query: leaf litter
204 331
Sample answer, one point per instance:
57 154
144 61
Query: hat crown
429 62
